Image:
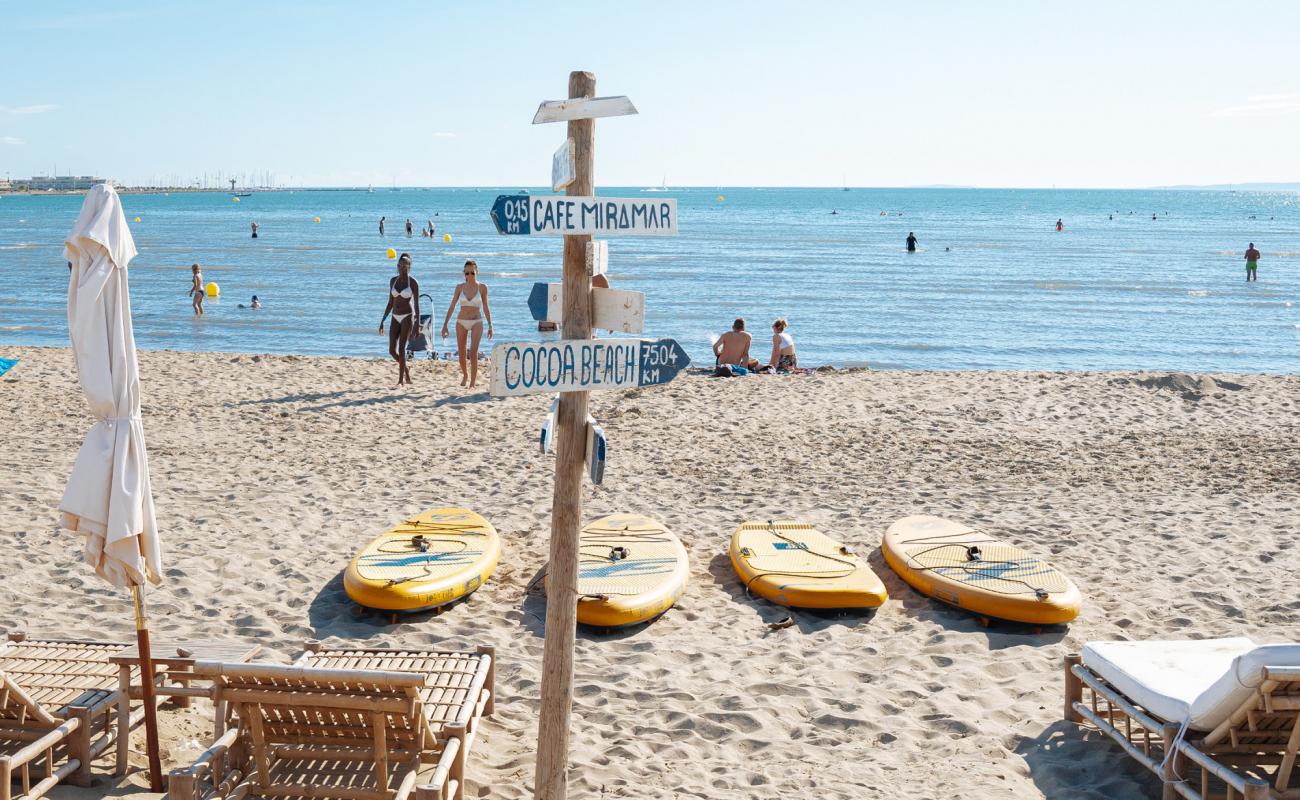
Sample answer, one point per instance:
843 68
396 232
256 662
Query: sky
999 94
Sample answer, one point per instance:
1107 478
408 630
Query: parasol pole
147 690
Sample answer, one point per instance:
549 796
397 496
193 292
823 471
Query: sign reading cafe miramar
560 215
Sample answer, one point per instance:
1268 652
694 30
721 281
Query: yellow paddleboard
794 564
630 569
967 568
424 562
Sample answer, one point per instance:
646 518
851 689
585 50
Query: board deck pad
794 564
970 569
630 569
425 561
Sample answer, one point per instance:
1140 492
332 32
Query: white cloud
22 111
443 135
1263 105
10 140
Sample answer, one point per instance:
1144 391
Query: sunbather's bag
730 371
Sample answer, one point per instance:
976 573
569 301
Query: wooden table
175 659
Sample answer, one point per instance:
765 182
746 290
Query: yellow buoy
316 219
446 237
392 253
236 199
213 289
721 198
137 219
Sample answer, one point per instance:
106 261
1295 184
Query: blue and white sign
584 365
560 215
595 451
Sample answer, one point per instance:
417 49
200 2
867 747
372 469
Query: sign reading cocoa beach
583 365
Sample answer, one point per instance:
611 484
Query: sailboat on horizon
663 185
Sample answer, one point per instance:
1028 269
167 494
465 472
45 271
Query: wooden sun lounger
1251 755
58 712
348 724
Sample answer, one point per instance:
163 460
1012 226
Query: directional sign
547 439
559 215
597 258
611 309
595 451
582 365
562 166
583 108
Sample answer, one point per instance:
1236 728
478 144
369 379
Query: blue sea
993 286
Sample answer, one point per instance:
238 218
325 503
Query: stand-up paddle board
631 569
793 564
424 562
968 568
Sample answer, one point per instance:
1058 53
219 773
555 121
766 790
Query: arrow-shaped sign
547 439
581 365
583 108
611 309
561 215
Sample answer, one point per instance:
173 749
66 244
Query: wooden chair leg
1073 688
457 771
79 745
7 775
428 792
1256 789
180 785
491 683
1169 734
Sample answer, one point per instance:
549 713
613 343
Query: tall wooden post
551 779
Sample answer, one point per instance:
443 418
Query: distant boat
370 189
241 194
663 186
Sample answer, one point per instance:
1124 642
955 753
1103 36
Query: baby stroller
422 336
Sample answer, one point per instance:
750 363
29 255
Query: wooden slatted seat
356 725
58 712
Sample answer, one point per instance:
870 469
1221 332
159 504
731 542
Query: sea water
992 286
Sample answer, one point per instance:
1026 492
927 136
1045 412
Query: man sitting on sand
732 347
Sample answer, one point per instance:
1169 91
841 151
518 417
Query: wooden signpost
560 215
574 366
611 309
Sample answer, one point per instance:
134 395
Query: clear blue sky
1116 94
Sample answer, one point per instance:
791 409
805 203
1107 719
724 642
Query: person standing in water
410 229
911 242
404 303
1252 259
381 226
254 230
196 289
473 297
1060 226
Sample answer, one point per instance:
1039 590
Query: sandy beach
1169 499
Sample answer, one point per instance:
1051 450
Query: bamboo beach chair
1212 718
58 712
359 730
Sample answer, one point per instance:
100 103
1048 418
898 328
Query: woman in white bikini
783 355
196 289
473 297
404 303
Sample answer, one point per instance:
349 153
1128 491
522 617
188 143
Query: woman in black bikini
404 303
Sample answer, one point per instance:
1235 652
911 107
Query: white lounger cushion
1205 680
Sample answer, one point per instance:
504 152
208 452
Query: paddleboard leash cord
974 563
849 569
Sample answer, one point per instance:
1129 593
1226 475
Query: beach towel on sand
730 371
6 363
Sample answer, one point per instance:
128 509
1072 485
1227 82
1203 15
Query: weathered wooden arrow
583 108
611 309
581 365
561 215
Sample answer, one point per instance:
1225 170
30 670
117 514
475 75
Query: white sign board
560 215
548 427
562 166
597 257
611 309
596 445
583 108
584 365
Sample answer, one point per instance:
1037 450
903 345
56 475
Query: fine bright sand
1171 501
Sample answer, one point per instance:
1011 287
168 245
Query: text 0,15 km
582 365
559 215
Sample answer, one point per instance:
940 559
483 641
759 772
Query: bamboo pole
1073 688
147 683
551 781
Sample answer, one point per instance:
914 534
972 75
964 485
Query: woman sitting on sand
404 303
196 289
469 323
783 357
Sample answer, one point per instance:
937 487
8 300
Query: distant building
62 183
5 185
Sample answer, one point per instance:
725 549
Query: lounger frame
1249 756
357 724
58 712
